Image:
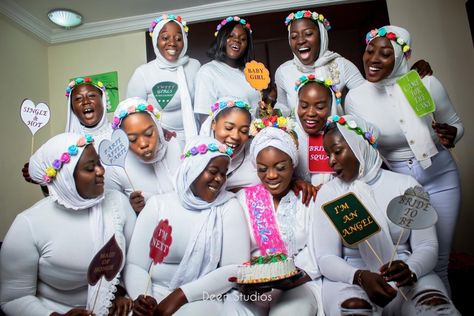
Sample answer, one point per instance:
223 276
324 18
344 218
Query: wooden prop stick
149 279
32 145
129 180
396 246
96 295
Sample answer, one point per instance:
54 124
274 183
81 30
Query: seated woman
274 152
151 162
209 238
412 145
355 282
47 250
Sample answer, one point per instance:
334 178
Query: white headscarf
62 189
101 131
369 171
190 128
277 138
325 55
418 130
203 251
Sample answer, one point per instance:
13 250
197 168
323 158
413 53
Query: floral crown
134 109
219 106
171 17
87 80
204 148
307 15
382 32
286 124
230 19
352 125
51 171
305 79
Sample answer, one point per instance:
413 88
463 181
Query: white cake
266 268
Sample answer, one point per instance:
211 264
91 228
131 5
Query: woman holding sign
46 253
167 82
412 141
224 75
209 237
152 162
353 240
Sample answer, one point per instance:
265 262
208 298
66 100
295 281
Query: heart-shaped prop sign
34 116
113 152
164 92
160 241
107 262
412 210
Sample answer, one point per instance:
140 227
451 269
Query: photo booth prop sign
113 152
416 93
35 117
164 91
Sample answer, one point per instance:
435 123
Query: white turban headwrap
277 138
203 251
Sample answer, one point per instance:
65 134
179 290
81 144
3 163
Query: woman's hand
423 68
378 290
121 306
137 200
446 133
309 190
398 272
144 306
75 312
170 304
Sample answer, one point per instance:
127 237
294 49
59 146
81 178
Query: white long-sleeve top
46 254
217 79
342 72
148 75
235 249
421 246
147 178
294 220
378 105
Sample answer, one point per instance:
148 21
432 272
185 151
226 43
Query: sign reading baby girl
35 117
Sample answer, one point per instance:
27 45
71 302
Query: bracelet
359 278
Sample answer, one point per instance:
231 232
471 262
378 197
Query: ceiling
107 17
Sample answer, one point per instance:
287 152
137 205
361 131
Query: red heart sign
107 262
160 242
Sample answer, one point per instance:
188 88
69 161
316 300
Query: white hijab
190 128
277 138
203 251
62 189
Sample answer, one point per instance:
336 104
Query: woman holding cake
204 252
359 280
286 219
151 162
47 251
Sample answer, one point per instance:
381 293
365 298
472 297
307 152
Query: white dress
46 254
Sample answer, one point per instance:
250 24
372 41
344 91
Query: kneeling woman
354 280
48 248
208 232
275 154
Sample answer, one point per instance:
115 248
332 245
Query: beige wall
440 34
24 74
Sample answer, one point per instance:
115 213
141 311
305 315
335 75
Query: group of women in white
206 183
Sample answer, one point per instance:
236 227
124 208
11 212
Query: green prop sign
110 81
416 93
164 92
351 219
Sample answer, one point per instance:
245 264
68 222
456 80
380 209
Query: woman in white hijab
152 160
167 82
358 279
208 232
274 153
47 250
412 144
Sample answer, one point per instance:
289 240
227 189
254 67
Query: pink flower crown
87 80
134 109
382 32
306 14
305 79
352 125
170 17
230 19
286 124
219 106
204 148
51 172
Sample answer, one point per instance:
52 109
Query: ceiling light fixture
65 18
